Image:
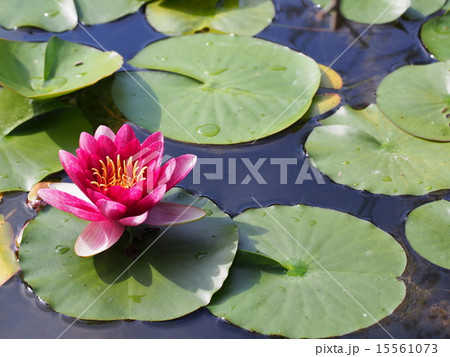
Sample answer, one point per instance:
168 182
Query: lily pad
428 231
8 262
16 109
179 272
423 8
371 11
101 11
365 150
417 99
178 17
216 93
435 35
30 152
50 15
47 70
332 282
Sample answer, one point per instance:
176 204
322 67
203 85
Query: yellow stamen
120 173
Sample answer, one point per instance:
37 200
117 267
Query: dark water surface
382 48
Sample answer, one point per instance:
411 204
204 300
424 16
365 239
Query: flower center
123 173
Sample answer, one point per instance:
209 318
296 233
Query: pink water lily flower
119 182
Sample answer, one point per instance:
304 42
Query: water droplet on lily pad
208 212
200 255
4 176
386 179
61 249
51 13
429 188
278 68
208 43
208 130
345 162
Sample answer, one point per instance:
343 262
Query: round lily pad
338 273
428 231
423 8
178 17
179 272
417 99
371 11
435 35
16 109
365 150
30 152
101 11
8 262
43 70
50 15
213 92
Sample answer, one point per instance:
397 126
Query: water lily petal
155 137
88 143
106 147
165 172
134 221
104 130
131 149
71 204
110 209
166 214
124 135
126 196
97 237
150 200
69 188
71 165
184 165
151 156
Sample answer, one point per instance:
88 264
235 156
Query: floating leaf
371 11
218 93
179 272
423 8
329 78
30 152
101 11
435 35
428 231
47 70
417 99
364 150
8 262
178 17
50 15
322 103
332 282
16 109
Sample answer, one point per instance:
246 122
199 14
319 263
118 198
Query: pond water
362 63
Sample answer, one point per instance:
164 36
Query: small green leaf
8 262
428 231
435 35
101 11
422 8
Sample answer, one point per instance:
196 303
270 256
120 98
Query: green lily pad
30 152
50 15
428 231
422 8
330 259
435 35
101 11
8 262
178 17
217 93
417 99
181 270
47 70
16 109
370 11
365 150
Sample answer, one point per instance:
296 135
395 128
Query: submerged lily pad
30 152
16 109
50 69
435 35
101 11
178 17
332 282
179 272
365 150
217 93
371 11
417 99
8 262
428 231
50 15
423 8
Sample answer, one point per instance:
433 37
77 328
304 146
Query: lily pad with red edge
212 92
16 109
321 277
30 152
366 151
428 231
8 262
417 99
181 267
178 17
44 70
